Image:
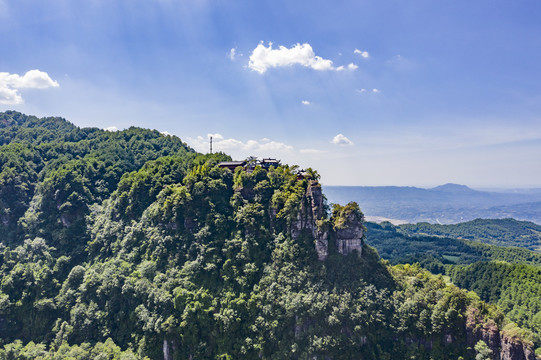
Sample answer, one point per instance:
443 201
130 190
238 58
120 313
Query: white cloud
219 143
165 133
363 54
340 139
264 58
374 91
11 83
10 96
215 136
351 66
306 102
233 54
111 128
32 79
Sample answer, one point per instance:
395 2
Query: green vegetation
128 244
502 232
433 252
516 288
506 276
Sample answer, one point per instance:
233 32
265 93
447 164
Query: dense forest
507 276
433 252
516 288
128 245
502 232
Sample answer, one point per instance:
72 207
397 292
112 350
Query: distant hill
399 247
502 232
454 188
507 276
445 204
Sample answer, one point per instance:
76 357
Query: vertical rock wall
321 237
503 347
349 229
307 219
348 236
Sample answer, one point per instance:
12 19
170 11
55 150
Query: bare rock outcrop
349 229
512 349
309 219
347 223
503 344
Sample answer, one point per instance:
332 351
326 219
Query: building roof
231 163
270 161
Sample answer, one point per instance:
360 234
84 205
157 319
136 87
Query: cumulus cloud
351 66
264 58
306 102
9 96
219 143
111 128
375 91
215 136
11 83
340 139
364 54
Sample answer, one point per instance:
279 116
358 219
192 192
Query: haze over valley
445 204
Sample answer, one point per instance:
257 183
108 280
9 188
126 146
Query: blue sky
367 92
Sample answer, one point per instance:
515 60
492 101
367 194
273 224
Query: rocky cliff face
349 238
503 345
515 350
310 217
347 222
348 228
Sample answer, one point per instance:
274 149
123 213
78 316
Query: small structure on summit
267 163
231 165
303 174
250 164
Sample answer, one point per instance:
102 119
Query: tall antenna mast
211 144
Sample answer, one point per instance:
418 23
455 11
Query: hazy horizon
487 188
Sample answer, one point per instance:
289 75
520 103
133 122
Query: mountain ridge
446 204
131 244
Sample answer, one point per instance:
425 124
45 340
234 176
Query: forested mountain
433 251
516 288
507 276
129 245
445 204
502 232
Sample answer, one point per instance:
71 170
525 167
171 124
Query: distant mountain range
445 204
